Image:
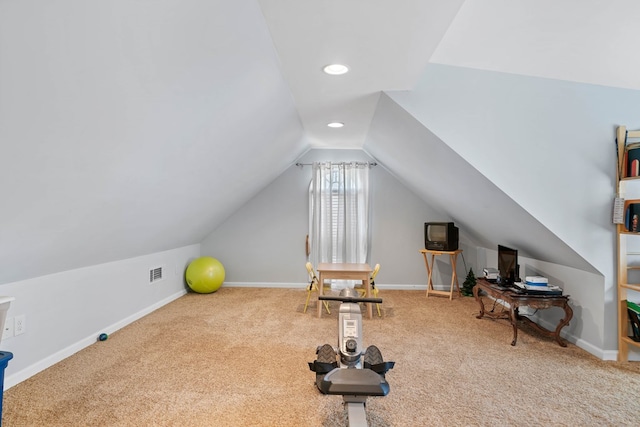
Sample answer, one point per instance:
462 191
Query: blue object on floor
5 356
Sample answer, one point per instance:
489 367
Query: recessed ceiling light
335 124
336 69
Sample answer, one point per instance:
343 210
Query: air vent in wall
155 274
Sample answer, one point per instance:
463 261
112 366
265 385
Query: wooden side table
514 300
453 257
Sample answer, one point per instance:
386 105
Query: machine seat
355 382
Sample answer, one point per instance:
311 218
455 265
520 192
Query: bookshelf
628 236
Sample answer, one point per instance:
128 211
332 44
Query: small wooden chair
313 286
362 291
374 291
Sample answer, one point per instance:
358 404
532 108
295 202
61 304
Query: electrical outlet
20 324
8 328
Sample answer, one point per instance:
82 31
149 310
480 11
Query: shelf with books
627 220
628 153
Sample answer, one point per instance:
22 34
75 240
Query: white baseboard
47 362
585 345
265 285
399 287
402 287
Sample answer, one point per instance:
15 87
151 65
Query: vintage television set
508 267
440 236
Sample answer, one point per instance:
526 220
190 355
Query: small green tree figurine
469 283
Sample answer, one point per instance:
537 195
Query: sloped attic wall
446 180
486 215
549 146
125 127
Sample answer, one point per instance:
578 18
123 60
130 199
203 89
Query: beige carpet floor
238 357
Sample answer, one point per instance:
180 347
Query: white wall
66 312
263 243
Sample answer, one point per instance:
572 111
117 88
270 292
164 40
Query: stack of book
539 283
536 281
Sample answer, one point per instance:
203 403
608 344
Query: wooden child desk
349 271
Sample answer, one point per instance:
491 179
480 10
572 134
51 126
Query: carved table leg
567 318
476 290
513 317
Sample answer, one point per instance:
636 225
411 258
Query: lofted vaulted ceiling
143 125
387 47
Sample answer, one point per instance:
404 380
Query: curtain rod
370 164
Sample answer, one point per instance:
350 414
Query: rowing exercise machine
357 374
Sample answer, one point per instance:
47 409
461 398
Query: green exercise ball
205 275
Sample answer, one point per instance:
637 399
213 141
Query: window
339 212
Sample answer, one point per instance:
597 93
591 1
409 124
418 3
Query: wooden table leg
455 272
479 300
568 314
513 317
367 285
429 271
320 292
555 334
454 276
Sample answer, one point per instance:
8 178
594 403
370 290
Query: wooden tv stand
453 256
516 300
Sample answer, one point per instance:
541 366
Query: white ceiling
386 46
586 41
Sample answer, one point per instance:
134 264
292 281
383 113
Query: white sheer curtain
339 212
